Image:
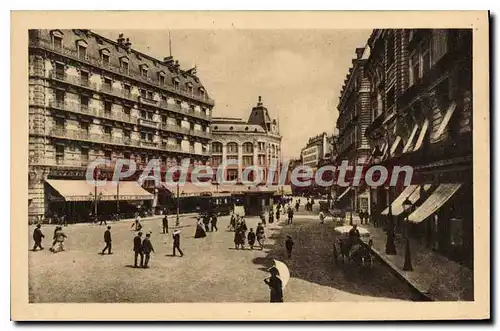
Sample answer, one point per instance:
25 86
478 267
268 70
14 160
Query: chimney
168 60
359 52
176 66
120 39
128 44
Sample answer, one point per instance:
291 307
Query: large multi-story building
354 117
421 97
315 151
91 97
255 142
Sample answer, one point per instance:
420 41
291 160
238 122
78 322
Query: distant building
255 142
315 151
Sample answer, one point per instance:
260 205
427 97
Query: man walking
177 242
138 249
37 237
165 223
107 240
289 245
214 223
275 285
147 248
290 215
137 223
251 238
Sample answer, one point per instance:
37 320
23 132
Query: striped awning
343 194
422 134
82 190
410 139
435 201
412 192
445 121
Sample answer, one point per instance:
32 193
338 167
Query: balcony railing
174 128
83 109
149 123
171 148
68 52
148 101
198 133
150 144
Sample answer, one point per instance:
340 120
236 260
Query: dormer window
81 46
105 56
202 92
189 87
176 81
144 71
161 78
124 64
57 39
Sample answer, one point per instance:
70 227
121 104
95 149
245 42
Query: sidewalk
434 276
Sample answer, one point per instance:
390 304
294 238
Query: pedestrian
322 217
275 285
289 245
147 249
214 222
261 236
297 205
58 243
165 223
176 236
251 238
232 222
278 214
206 222
263 218
137 223
107 240
138 249
290 215
361 216
237 238
271 216
37 237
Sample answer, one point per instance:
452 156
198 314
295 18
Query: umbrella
283 272
345 230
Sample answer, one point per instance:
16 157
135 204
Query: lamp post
177 215
407 265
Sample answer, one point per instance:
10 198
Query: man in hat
37 237
289 245
275 285
138 249
147 248
165 223
251 238
213 222
107 240
177 242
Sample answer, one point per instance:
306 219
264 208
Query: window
126 90
57 43
163 119
232 174
247 160
84 154
84 126
390 51
232 148
161 79
176 84
126 155
60 96
144 72
84 101
190 88
105 59
144 93
150 116
143 135
84 78
107 83
107 155
60 71
107 130
216 160
426 59
191 108
59 153
248 148
82 51
202 92
126 134
149 95
126 110
124 65
107 106
191 126
216 147
178 122
414 68
262 146
439 44
149 137
262 159
143 113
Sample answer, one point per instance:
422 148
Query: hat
289 236
109 227
177 231
273 268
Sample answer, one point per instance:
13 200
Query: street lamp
407 205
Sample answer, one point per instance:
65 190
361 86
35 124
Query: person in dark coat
271 217
290 215
107 240
138 250
261 235
206 222
176 236
213 222
275 285
165 224
199 232
297 205
278 214
251 238
289 245
37 237
147 249
263 218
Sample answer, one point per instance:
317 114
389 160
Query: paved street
211 271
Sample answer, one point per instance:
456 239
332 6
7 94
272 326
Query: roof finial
260 101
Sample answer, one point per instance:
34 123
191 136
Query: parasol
344 230
283 272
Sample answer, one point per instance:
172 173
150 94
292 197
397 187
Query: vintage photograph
265 165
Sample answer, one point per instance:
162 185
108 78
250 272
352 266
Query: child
251 238
289 245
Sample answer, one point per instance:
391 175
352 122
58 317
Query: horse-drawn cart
352 249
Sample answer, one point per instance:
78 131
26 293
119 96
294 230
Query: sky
298 73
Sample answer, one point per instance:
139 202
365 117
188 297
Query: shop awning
422 134
82 190
412 192
395 145
344 193
435 201
446 120
188 189
410 139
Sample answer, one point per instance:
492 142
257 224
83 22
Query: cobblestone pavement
211 270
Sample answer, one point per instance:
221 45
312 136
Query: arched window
216 147
248 148
232 148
